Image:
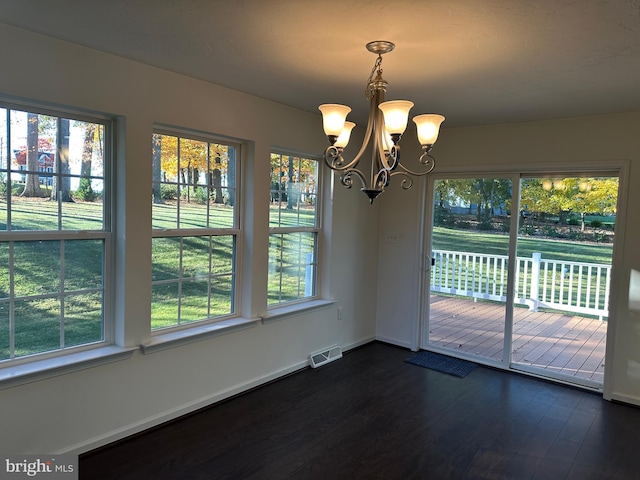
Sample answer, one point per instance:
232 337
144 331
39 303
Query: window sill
280 313
14 375
176 338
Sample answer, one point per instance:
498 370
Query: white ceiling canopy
474 61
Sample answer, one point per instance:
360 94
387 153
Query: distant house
46 161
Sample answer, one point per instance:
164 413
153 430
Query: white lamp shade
387 141
343 138
333 118
428 127
396 114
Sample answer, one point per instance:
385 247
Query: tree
596 195
562 196
194 164
62 184
32 180
157 168
231 175
85 189
216 180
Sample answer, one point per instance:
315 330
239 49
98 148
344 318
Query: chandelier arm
382 179
407 181
367 135
333 158
427 160
347 181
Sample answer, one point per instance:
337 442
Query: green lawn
498 244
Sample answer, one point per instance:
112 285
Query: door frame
617 168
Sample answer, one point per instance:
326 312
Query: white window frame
287 306
23 369
181 332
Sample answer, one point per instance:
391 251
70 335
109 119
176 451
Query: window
195 229
293 228
55 232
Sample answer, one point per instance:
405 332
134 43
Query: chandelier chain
369 89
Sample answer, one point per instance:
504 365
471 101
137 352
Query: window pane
81 178
5 331
83 319
293 191
203 272
165 255
223 254
194 183
194 301
5 284
37 326
54 186
83 261
195 257
36 267
222 295
291 266
164 305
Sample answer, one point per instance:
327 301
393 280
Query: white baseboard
625 399
394 341
155 420
359 343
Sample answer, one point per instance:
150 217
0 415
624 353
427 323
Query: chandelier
387 122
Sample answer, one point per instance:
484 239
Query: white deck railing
568 286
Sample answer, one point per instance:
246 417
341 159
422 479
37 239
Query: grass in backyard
498 244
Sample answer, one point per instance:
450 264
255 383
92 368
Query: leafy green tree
562 196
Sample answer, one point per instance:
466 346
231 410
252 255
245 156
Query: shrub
600 237
485 224
200 195
443 217
17 189
596 223
574 220
168 192
85 191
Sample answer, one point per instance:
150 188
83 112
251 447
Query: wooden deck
556 342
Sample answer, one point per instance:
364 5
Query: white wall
81 410
605 140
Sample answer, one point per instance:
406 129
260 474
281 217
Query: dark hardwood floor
369 415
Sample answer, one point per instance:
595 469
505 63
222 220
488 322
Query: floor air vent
318 359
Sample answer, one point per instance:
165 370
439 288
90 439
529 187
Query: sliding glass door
469 266
520 271
563 273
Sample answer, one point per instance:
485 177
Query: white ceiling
474 61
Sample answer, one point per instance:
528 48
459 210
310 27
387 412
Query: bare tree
32 181
62 183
